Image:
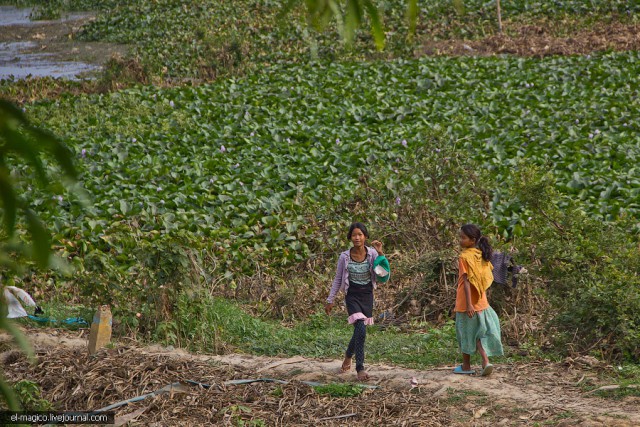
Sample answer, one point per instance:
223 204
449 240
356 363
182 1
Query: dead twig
338 417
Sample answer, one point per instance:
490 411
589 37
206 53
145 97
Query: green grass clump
30 396
626 376
339 390
620 393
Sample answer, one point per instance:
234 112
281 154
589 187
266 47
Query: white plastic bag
13 303
380 271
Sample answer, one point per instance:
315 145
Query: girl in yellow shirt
477 324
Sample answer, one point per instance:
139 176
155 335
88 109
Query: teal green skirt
484 326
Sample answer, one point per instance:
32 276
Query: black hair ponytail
482 242
485 247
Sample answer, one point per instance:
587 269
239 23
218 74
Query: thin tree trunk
499 16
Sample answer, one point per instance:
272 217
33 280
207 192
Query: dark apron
359 299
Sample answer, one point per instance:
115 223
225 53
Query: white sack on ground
13 295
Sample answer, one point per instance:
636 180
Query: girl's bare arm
467 293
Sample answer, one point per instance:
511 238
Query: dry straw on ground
518 394
75 381
539 41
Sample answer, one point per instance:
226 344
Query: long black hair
359 226
482 242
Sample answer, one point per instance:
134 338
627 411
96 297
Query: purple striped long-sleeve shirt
341 281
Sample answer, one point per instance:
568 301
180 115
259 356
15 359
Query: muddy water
20 59
10 15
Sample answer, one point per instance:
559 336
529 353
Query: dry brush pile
74 381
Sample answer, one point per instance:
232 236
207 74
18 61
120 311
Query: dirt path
517 394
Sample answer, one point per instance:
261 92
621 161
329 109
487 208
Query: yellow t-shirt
479 302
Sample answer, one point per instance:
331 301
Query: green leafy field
247 161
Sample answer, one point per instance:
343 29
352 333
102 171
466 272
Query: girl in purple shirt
355 276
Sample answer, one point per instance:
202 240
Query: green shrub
30 396
590 267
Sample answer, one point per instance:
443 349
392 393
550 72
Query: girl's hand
377 245
327 308
471 311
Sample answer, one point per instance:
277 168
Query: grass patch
217 323
620 393
626 377
339 390
561 416
321 336
457 396
628 373
57 313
